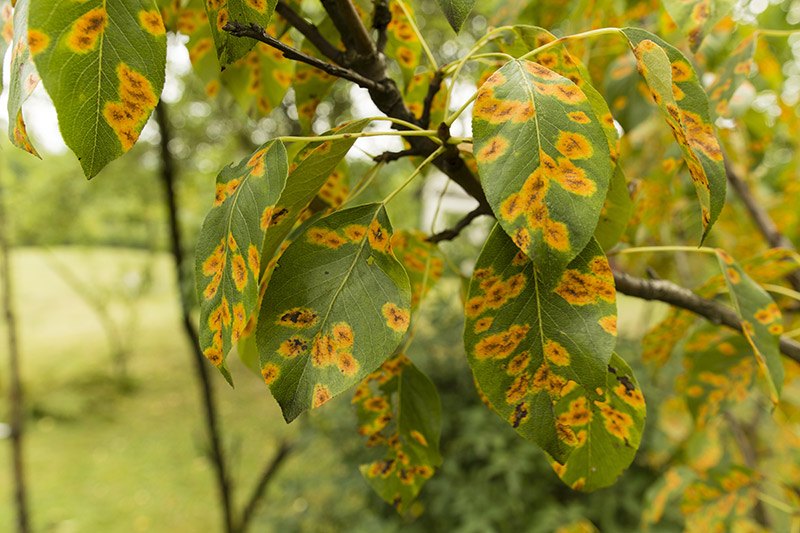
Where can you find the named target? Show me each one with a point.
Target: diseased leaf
(337, 305)
(696, 18)
(720, 370)
(532, 340)
(416, 92)
(103, 64)
(616, 212)
(229, 249)
(311, 169)
(665, 491)
(24, 79)
(761, 320)
(544, 159)
(734, 71)
(422, 262)
(399, 411)
(402, 43)
(606, 432)
(674, 87)
(220, 12)
(456, 11)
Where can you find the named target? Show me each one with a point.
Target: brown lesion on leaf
(38, 41)
(298, 317)
(137, 100)
(320, 395)
(501, 345)
(292, 347)
(270, 373)
(151, 22)
(397, 318)
(86, 30)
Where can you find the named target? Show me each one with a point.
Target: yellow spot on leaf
(579, 116)
(321, 395)
(574, 145)
(292, 347)
(86, 30)
(347, 364)
(396, 318)
(151, 22)
(609, 324)
(483, 324)
(37, 41)
(239, 272)
(270, 373)
(501, 345)
(298, 317)
(556, 353)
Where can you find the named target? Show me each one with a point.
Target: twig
(261, 486)
(716, 313)
(381, 18)
(310, 32)
(254, 31)
(427, 104)
(455, 231)
(218, 459)
(388, 157)
(15, 389)
(761, 218)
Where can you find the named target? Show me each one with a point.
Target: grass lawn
(102, 459)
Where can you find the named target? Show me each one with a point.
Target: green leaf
(230, 246)
(400, 412)
(676, 90)
(103, 64)
(544, 159)
(734, 71)
(456, 11)
(24, 79)
(220, 12)
(616, 211)
(607, 430)
(337, 305)
(313, 166)
(761, 320)
(532, 339)
(697, 18)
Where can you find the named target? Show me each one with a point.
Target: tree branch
(714, 312)
(388, 157)
(254, 31)
(261, 486)
(381, 18)
(310, 32)
(761, 218)
(354, 34)
(455, 231)
(218, 459)
(427, 104)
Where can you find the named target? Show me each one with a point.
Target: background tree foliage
(598, 151)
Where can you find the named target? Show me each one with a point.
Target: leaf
(313, 166)
(229, 249)
(674, 87)
(734, 71)
(422, 261)
(719, 371)
(336, 307)
(402, 43)
(627, 94)
(664, 491)
(24, 79)
(607, 431)
(456, 11)
(616, 212)
(696, 18)
(761, 320)
(531, 340)
(220, 12)
(544, 159)
(399, 411)
(103, 64)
